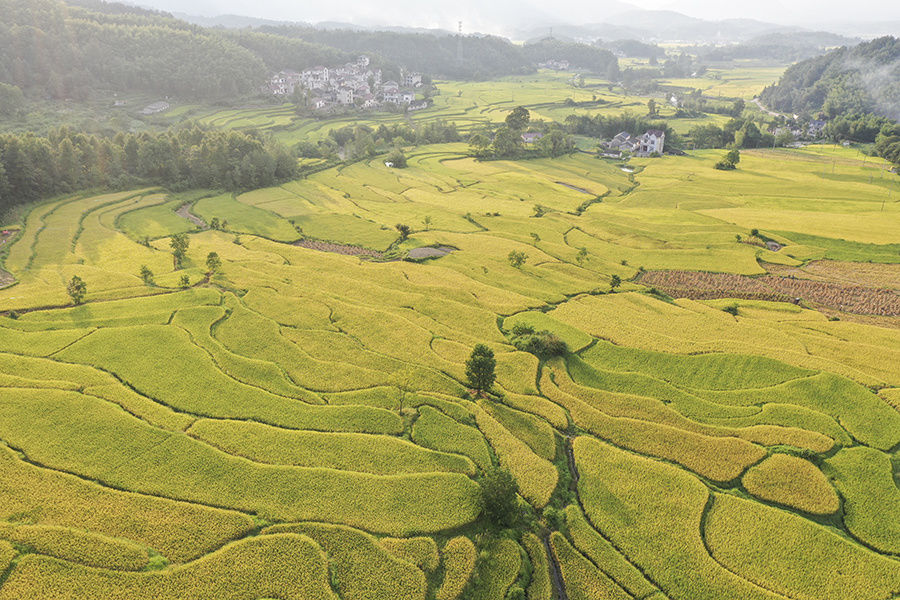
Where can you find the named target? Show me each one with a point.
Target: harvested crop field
(855, 299)
(864, 274)
(344, 249)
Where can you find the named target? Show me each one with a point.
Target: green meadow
(298, 423)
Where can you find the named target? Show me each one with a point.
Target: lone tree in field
(517, 258)
(651, 108)
(146, 275)
(185, 281)
(498, 488)
(427, 222)
(77, 290)
(213, 263)
(518, 119)
(582, 255)
(480, 368)
(404, 231)
(179, 244)
(614, 282)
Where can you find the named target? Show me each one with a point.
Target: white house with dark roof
(651, 142)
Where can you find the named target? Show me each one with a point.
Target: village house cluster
(811, 131)
(652, 142)
(555, 65)
(353, 84)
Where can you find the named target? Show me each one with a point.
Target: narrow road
(771, 113)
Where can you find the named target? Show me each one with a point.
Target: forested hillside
(788, 46)
(846, 81)
(482, 56)
(50, 49)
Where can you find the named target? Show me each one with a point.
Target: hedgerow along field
(297, 422)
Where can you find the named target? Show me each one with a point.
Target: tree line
(33, 167)
(361, 141)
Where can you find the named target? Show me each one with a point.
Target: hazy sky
(500, 16)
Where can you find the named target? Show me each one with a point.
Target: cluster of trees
(507, 140)
(360, 141)
(34, 167)
(858, 80)
(483, 57)
(607, 126)
(543, 344)
(868, 129)
(738, 133)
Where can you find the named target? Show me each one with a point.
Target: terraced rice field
(298, 425)
(470, 105)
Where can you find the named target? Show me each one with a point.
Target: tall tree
(518, 119)
(480, 368)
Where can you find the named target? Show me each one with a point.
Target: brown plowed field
(843, 297)
(338, 248)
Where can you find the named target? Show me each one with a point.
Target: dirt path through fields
(576, 188)
(6, 278)
(184, 211)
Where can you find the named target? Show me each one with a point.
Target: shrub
(517, 258)
(731, 309)
(522, 329)
(146, 275)
(397, 159)
(542, 344)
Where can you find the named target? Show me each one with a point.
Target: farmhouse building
(532, 137)
(651, 142)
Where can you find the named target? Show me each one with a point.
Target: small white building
(651, 142)
(345, 96)
(412, 80)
